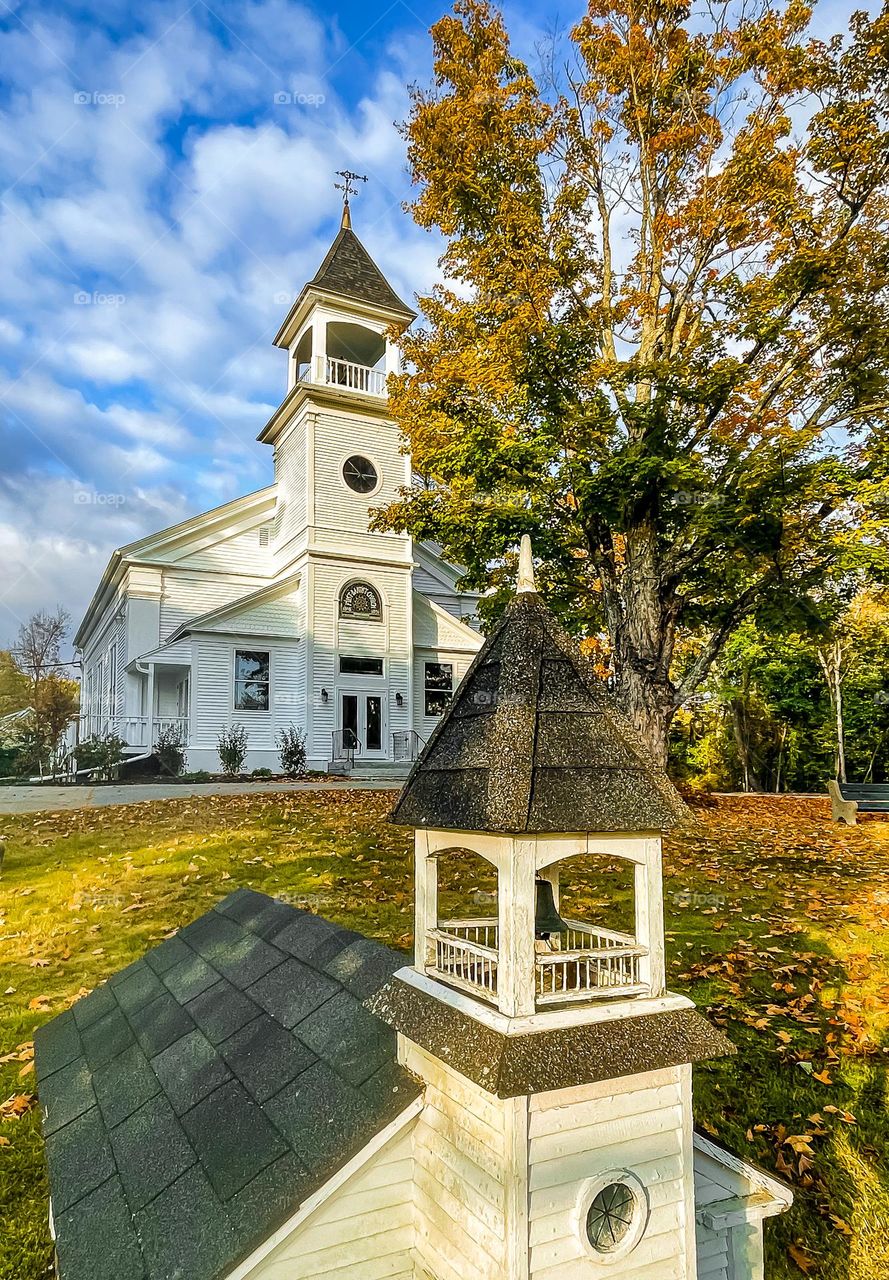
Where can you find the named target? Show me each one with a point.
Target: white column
(393, 357)
(150, 716)
(516, 974)
(517, 1190)
(426, 899)
(319, 347)
(650, 916)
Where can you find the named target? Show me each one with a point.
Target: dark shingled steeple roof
(350, 271)
(533, 743)
(197, 1099)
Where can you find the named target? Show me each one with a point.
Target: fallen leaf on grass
(16, 1106)
(801, 1258)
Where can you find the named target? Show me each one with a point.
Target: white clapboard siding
(242, 553)
(277, 617)
(364, 1231)
(338, 509)
(188, 595)
(713, 1256)
(290, 475)
(460, 1153)
(639, 1124)
(214, 690)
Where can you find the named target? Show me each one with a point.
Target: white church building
(282, 607)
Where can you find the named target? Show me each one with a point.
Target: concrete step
(381, 770)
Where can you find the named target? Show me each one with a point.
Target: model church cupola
(535, 769)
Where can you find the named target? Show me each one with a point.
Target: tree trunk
(642, 624)
(649, 709)
(751, 781)
(832, 665)
(781, 742)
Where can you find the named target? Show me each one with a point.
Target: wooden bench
(848, 799)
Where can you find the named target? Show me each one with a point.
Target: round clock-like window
(360, 474)
(611, 1217)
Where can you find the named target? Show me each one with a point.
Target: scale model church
(267, 1095)
(283, 608)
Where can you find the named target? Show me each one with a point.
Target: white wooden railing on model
(584, 963)
(357, 377)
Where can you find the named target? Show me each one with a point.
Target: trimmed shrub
(232, 747)
(170, 750)
(101, 754)
(292, 751)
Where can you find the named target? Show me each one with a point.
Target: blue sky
(167, 174)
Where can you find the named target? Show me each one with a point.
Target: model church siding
(460, 1149)
(636, 1124)
(364, 1231)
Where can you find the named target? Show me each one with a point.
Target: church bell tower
(338, 457)
(556, 1143)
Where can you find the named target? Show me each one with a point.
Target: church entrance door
(361, 720)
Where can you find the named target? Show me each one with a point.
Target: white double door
(361, 716)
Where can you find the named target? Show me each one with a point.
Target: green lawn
(777, 925)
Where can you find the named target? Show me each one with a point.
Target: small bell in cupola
(547, 920)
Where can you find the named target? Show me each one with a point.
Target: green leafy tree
(663, 350)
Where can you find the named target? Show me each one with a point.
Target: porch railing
(344, 747)
(584, 963)
(357, 377)
(134, 730)
(406, 744)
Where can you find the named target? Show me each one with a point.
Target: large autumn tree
(663, 344)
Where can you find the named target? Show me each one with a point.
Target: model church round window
(611, 1217)
(360, 474)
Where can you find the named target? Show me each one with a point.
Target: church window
(360, 474)
(252, 680)
(361, 600)
(361, 666)
(438, 684)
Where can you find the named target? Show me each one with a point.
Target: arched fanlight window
(361, 600)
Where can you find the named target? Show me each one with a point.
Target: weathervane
(348, 190)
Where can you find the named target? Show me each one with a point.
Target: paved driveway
(37, 799)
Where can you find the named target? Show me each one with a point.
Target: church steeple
(339, 330)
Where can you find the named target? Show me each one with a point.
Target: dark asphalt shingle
(188, 1070)
(533, 742)
(292, 991)
(233, 1138)
(194, 1101)
(150, 1150)
(349, 270)
(221, 1011)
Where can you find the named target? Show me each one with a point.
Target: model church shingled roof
(533, 742)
